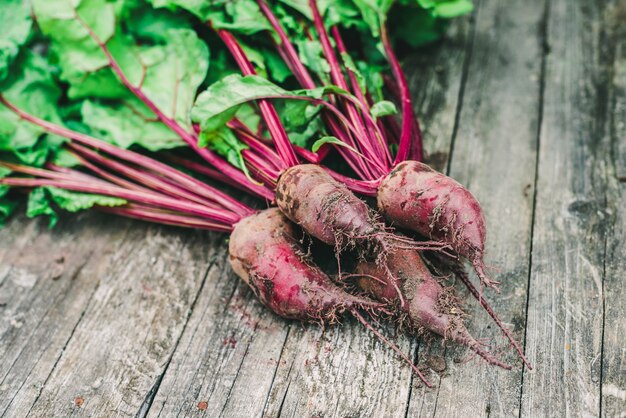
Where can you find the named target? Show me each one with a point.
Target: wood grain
(613, 390)
(565, 310)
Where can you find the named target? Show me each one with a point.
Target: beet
(265, 253)
(416, 197)
(416, 296)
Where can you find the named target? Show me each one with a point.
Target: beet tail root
(429, 306)
(394, 347)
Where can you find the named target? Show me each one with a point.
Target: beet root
(265, 253)
(323, 207)
(329, 211)
(426, 304)
(416, 197)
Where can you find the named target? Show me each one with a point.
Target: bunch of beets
(143, 108)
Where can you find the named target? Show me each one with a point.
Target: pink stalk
(309, 156)
(205, 170)
(365, 142)
(364, 187)
(146, 178)
(110, 177)
(147, 213)
(274, 126)
(410, 145)
(268, 172)
(155, 199)
(262, 191)
(375, 128)
(72, 172)
(302, 74)
(291, 57)
(33, 171)
(250, 139)
(133, 157)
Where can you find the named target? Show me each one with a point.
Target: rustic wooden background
(525, 103)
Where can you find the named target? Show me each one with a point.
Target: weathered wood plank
(614, 342)
(495, 155)
(565, 310)
(343, 371)
(118, 318)
(227, 357)
(435, 76)
(46, 283)
(615, 17)
(613, 345)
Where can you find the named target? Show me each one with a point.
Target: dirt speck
(230, 341)
(436, 363)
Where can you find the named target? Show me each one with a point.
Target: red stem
(375, 128)
(147, 213)
(363, 140)
(155, 199)
(301, 73)
(410, 139)
(148, 179)
(281, 140)
(133, 157)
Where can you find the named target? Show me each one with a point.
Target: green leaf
(16, 27)
(312, 55)
(217, 104)
(383, 108)
(447, 9)
(330, 140)
(74, 201)
(241, 16)
(42, 201)
(153, 25)
(199, 8)
(39, 203)
(4, 171)
(452, 9)
(64, 158)
(224, 142)
(168, 73)
(124, 126)
(31, 88)
(7, 207)
(276, 66)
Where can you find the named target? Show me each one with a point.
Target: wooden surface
(525, 103)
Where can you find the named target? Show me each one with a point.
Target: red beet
(421, 298)
(329, 211)
(323, 207)
(416, 197)
(264, 251)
